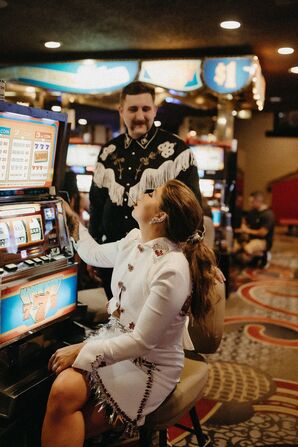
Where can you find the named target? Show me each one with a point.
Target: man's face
(255, 202)
(138, 113)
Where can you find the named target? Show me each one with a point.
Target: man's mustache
(139, 123)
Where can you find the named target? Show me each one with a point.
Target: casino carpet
(251, 398)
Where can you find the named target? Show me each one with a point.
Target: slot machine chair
(194, 377)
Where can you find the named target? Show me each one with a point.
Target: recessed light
(230, 24)
(82, 121)
(244, 114)
(285, 50)
(294, 69)
(52, 44)
(56, 108)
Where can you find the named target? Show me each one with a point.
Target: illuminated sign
(180, 75)
(228, 74)
(75, 77)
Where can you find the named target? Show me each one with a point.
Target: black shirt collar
(142, 141)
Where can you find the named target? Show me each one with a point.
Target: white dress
(136, 360)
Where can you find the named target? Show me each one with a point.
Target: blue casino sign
(87, 76)
(225, 75)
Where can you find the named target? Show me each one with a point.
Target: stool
(183, 399)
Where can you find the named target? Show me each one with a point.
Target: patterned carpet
(251, 398)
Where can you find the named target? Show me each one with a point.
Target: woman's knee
(69, 392)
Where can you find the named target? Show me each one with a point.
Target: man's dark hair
(137, 88)
(257, 195)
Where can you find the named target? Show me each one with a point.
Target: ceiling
(117, 29)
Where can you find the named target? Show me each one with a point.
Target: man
(257, 230)
(142, 158)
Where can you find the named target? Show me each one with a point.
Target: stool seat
(186, 394)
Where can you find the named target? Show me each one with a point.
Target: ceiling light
(82, 121)
(294, 69)
(157, 123)
(230, 24)
(52, 44)
(244, 114)
(285, 50)
(234, 112)
(56, 108)
(89, 62)
(192, 133)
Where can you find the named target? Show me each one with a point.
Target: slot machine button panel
(11, 267)
(58, 257)
(37, 260)
(1, 271)
(29, 262)
(45, 258)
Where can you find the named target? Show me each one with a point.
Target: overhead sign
(180, 75)
(87, 76)
(228, 74)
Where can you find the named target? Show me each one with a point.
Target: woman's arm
(169, 289)
(98, 255)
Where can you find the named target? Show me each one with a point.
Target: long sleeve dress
(135, 361)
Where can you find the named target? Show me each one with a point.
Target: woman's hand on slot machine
(64, 357)
(73, 220)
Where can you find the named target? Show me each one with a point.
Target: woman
(134, 363)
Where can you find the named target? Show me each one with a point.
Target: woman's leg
(95, 421)
(64, 423)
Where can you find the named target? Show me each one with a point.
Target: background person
(257, 230)
(142, 158)
(132, 364)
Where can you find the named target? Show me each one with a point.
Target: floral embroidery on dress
(131, 325)
(107, 151)
(166, 149)
(130, 267)
(140, 248)
(160, 249)
(185, 308)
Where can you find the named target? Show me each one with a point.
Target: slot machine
(217, 168)
(38, 277)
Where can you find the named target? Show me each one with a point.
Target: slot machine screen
(208, 157)
(82, 154)
(40, 301)
(28, 143)
(207, 187)
(216, 216)
(84, 182)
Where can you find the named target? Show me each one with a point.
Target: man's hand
(64, 357)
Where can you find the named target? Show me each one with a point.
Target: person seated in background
(255, 236)
(162, 272)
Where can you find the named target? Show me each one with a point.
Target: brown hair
(137, 88)
(185, 218)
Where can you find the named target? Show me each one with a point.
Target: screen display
(27, 150)
(34, 304)
(84, 182)
(82, 155)
(207, 187)
(208, 157)
(216, 216)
